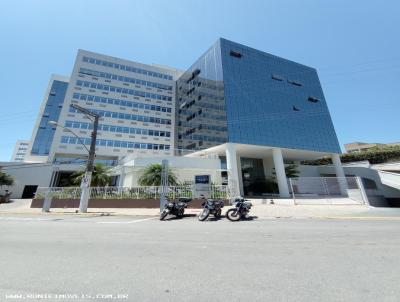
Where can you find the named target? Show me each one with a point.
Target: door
(29, 192)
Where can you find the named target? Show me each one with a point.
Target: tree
(374, 156)
(100, 176)
(290, 171)
(6, 179)
(151, 176)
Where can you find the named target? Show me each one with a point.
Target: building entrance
(254, 180)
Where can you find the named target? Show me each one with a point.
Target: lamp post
(86, 180)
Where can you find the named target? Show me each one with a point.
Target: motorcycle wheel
(163, 215)
(233, 215)
(204, 214)
(181, 212)
(218, 214)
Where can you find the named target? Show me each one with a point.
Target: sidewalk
(261, 211)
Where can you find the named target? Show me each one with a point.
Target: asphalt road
(96, 258)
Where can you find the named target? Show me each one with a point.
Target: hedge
(373, 156)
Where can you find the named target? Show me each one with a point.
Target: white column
(280, 173)
(337, 164)
(239, 173)
(121, 177)
(231, 165)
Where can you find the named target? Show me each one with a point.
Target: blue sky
(354, 45)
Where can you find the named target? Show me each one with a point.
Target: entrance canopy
(254, 151)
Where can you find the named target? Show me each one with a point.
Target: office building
(256, 111)
(136, 103)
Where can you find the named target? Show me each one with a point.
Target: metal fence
(327, 190)
(140, 192)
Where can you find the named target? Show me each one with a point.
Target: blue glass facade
(45, 133)
(267, 100)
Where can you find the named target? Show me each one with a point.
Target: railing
(140, 192)
(59, 192)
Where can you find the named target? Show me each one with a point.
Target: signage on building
(202, 186)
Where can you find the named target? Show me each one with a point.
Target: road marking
(29, 219)
(394, 218)
(127, 222)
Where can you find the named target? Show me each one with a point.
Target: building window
(313, 99)
(295, 83)
(235, 54)
(276, 77)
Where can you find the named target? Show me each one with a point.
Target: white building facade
(136, 103)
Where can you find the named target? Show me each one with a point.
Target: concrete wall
(185, 168)
(23, 175)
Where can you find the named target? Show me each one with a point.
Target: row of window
(191, 92)
(187, 104)
(204, 138)
(127, 68)
(123, 90)
(74, 160)
(117, 129)
(113, 143)
(130, 104)
(204, 126)
(192, 115)
(107, 75)
(127, 116)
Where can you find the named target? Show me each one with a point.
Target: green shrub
(375, 156)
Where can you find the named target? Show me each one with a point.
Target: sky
(354, 45)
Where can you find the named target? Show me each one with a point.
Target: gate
(328, 190)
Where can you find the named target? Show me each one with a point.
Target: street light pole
(86, 180)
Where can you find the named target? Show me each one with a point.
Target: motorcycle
(211, 206)
(176, 208)
(241, 209)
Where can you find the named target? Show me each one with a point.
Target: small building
(184, 167)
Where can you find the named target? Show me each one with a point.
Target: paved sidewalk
(262, 211)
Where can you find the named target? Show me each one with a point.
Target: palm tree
(100, 176)
(151, 176)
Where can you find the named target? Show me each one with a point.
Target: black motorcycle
(211, 206)
(241, 209)
(176, 208)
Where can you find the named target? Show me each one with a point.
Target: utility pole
(86, 180)
(164, 184)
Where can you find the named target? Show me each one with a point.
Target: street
(144, 259)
